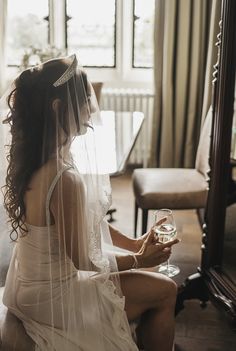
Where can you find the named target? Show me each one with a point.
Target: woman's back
(40, 252)
(37, 191)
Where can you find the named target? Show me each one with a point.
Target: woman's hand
(153, 253)
(138, 243)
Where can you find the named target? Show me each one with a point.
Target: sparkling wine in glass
(166, 231)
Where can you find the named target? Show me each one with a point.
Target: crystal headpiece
(68, 73)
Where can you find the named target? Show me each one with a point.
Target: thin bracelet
(135, 264)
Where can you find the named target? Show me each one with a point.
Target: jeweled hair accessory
(68, 73)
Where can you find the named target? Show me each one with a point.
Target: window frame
(123, 74)
(67, 18)
(133, 39)
(47, 19)
(133, 76)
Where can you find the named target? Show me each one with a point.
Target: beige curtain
(3, 12)
(3, 22)
(184, 37)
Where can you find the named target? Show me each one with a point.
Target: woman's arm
(125, 242)
(121, 240)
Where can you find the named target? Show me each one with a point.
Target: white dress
(31, 295)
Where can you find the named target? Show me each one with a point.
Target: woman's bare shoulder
(70, 189)
(72, 177)
(70, 183)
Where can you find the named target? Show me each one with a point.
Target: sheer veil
(62, 281)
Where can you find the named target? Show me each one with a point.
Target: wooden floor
(197, 329)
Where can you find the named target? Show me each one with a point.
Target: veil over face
(62, 281)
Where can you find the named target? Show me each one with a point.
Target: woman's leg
(152, 297)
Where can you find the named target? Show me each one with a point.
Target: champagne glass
(166, 232)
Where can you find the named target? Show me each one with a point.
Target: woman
(63, 281)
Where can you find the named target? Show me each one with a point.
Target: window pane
(143, 33)
(91, 31)
(26, 28)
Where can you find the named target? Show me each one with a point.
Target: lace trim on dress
(96, 215)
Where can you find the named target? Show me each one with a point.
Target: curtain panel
(184, 54)
(3, 22)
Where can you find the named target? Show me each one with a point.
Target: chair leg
(144, 220)
(135, 219)
(200, 216)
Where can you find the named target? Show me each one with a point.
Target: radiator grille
(133, 100)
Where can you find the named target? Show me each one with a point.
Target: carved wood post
(223, 98)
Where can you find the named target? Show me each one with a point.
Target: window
(91, 31)
(113, 38)
(28, 26)
(143, 23)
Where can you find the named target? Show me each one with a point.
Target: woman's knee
(169, 289)
(170, 300)
(148, 289)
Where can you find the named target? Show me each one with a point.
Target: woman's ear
(56, 104)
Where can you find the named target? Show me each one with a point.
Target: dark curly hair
(33, 130)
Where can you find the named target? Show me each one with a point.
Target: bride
(65, 281)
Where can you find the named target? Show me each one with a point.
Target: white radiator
(133, 100)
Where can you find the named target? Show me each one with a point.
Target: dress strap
(50, 191)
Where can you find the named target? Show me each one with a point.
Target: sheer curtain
(184, 36)
(3, 23)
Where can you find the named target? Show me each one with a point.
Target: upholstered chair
(174, 188)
